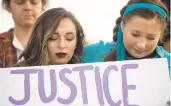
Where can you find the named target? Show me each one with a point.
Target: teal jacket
(98, 51)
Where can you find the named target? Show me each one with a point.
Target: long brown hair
(36, 50)
(144, 13)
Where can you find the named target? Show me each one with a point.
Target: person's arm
(96, 52)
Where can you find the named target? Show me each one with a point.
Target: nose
(141, 45)
(61, 44)
(27, 5)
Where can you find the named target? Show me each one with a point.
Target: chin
(138, 56)
(60, 63)
(28, 23)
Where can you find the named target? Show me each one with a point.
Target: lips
(138, 51)
(61, 55)
(27, 16)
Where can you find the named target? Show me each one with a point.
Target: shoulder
(100, 45)
(7, 34)
(162, 53)
(97, 51)
(6, 37)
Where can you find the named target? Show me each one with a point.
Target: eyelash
(69, 39)
(135, 35)
(51, 38)
(19, 2)
(34, 2)
(150, 38)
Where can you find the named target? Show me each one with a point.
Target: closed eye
(70, 39)
(151, 38)
(19, 1)
(135, 35)
(53, 37)
(35, 1)
(70, 36)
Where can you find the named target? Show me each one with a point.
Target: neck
(23, 34)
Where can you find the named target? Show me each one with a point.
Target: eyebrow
(66, 33)
(135, 31)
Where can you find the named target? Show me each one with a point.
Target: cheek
(72, 46)
(152, 44)
(16, 13)
(37, 9)
(129, 41)
(50, 46)
(37, 13)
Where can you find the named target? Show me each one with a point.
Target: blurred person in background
(13, 42)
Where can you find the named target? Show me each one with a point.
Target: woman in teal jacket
(137, 34)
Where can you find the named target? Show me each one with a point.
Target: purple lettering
(105, 86)
(83, 80)
(125, 87)
(41, 86)
(26, 73)
(73, 88)
(99, 86)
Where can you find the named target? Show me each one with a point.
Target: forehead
(138, 19)
(66, 24)
(142, 23)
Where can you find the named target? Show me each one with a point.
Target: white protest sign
(127, 83)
